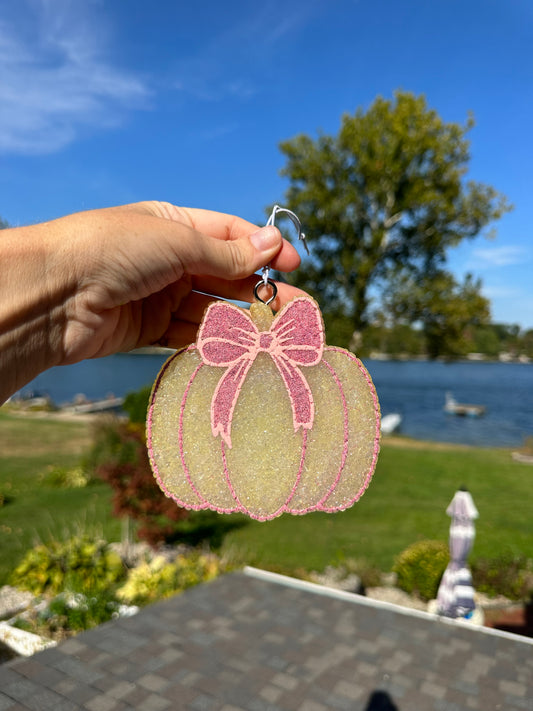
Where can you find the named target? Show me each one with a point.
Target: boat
(452, 407)
(390, 423)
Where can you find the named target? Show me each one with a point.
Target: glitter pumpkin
(259, 416)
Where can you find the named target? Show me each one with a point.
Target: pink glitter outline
(241, 507)
(207, 503)
(318, 506)
(155, 468)
(377, 435)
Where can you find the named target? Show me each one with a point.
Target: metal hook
(293, 218)
(265, 281)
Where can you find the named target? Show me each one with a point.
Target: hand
(110, 280)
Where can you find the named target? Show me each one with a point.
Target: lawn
(406, 502)
(34, 511)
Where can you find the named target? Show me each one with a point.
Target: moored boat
(452, 407)
(391, 422)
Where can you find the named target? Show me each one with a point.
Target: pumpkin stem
(261, 315)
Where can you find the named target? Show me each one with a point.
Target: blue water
(417, 391)
(96, 379)
(414, 389)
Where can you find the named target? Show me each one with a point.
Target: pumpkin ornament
(260, 416)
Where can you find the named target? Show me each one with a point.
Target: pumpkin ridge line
(241, 507)
(180, 435)
(332, 488)
(206, 503)
(153, 464)
(377, 435)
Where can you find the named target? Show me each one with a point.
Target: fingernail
(265, 238)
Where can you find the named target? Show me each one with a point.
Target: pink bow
(228, 338)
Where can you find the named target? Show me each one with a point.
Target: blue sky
(107, 102)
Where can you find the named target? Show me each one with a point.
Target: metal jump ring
(272, 285)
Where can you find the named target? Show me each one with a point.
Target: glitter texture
(272, 466)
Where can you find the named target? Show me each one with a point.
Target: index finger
(216, 224)
(221, 226)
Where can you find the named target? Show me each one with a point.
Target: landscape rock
(13, 601)
(21, 642)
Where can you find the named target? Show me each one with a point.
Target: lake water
(417, 390)
(414, 389)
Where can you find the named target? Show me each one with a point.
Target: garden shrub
(121, 459)
(160, 578)
(64, 478)
(74, 612)
(420, 567)
(508, 574)
(81, 564)
(109, 444)
(71, 612)
(136, 404)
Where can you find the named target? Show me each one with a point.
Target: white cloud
(56, 77)
(500, 256)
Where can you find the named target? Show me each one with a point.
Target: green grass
(406, 502)
(34, 512)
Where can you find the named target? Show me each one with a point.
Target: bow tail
(225, 398)
(300, 395)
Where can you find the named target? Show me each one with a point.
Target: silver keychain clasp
(265, 281)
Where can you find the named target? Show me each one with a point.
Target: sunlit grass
(34, 511)
(405, 502)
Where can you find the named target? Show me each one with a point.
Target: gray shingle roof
(257, 642)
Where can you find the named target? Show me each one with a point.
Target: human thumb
(267, 240)
(243, 256)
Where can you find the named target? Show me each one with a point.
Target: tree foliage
(386, 194)
(445, 309)
(494, 340)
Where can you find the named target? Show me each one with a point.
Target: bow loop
(300, 331)
(225, 335)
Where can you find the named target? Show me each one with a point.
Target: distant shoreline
(150, 350)
(474, 358)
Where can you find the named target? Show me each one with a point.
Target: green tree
(486, 341)
(4, 224)
(445, 308)
(387, 191)
(527, 343)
